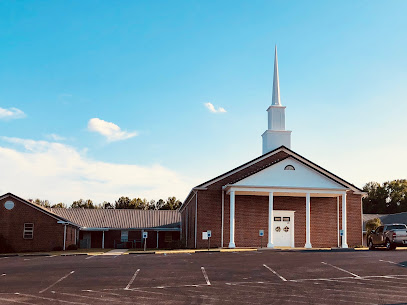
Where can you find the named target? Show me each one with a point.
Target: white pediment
(302, 177)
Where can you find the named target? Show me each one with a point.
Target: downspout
(223, 216)
(196, 217)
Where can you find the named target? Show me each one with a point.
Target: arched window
(289, 168)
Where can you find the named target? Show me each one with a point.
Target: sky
(102, 99)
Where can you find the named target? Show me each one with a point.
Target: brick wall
(251, 215)
(47, 233)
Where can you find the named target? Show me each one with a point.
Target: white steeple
(276, 82)
(276, 135)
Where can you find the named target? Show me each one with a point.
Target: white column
(103, 239)
(271, 218)
(308, 221)
(232, 220)
(344, 240)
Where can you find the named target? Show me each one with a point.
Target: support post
(270, 223)
(344, 229)
(232, 220)
(308, 221)
(64, 237)
(103, 239)
(157, 239)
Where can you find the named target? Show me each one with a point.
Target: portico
(271, 192)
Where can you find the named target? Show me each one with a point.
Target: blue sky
(150, 67)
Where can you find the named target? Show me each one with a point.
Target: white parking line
(56, 301)
(281, 277)
(132, 279)
(91, 257)
(390, 262)
(14, 301)
(355, 275)
(3, 274)
(61, 279)
(205, 276)
(4, 257)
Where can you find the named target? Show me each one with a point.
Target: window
(277, 218)
(396, 227)
(286, 218)
(289, 168)
(28, 231)
(124, 236)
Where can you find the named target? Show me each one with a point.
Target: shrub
(372, 224)
(72, 247)
(58, 248)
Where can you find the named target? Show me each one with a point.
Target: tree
(107, 205)
(375, 202)
(44, 203)
(388, 198)
(159, 204)
(59, 205)
(123, 203)
(172, 203)
(84, 204)
(372, 224)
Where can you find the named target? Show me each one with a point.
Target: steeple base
(273, 139)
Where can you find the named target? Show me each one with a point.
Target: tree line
(386, 198)
(172, 203)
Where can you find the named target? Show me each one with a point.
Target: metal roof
(400, 218)
(120, 218)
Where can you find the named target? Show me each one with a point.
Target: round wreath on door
(286, 229)
(278, 229)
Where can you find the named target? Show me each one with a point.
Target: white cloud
(11, 113)
(212, 108)
(58, 172)
(111, 131)
(55, 137)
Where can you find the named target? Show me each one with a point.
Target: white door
(283, 226)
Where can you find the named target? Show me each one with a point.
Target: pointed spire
(276, 83)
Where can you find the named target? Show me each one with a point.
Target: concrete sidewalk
(115, 252)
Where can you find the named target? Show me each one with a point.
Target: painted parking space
(219, 278)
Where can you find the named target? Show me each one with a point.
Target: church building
(280, 199)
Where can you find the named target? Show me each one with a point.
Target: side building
(28, 227)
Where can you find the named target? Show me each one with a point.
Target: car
(389, 236)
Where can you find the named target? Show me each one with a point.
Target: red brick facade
(251, 213)
(47, 235)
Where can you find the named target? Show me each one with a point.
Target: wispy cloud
(212, 108)
(60, 172)
(11, 113)
(55, 137)
(111, 131)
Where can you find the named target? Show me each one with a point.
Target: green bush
(372, 224)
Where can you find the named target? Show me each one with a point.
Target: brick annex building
(293, 201)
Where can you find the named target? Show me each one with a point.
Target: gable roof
(38, 207)
(121, 218)
(279, 154)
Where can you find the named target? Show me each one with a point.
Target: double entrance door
(283, 228)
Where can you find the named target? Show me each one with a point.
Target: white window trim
(30, 230)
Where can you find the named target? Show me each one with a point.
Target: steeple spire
(276, 83)
(276, 136)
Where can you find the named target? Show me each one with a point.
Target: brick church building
(281, 195)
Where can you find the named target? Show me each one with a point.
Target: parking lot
(259, 277)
